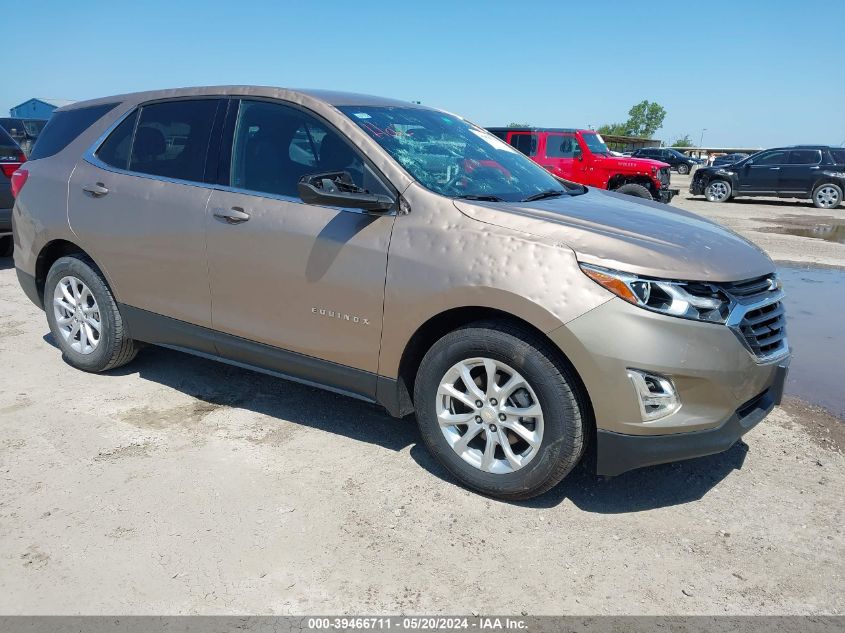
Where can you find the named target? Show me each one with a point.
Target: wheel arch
(617, 180)
(49, 254)
(449, 320)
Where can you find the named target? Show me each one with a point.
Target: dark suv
(24, 131)
(682, 163)
(816, 172)
(11, 158)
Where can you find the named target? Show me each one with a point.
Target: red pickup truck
(581, 156)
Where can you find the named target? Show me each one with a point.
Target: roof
(533, 129)
(58, 103)
(330, 97)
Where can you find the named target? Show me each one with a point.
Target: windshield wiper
(470, 196)
(550, 193)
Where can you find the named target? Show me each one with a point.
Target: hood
(630, 234)
(631, 162)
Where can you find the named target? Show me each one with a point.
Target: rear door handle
(235, 215)
(774, 168)
(97, 190)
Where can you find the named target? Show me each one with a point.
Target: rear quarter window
(838, 156)
(64, 127)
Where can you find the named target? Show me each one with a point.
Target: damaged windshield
(454, 158)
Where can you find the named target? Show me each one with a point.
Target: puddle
(815, 227)
(815, 305)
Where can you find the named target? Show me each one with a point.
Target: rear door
(293, 277)
(800, 172)
(138, 205)
(762, 174)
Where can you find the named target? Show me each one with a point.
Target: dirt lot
(177, 485)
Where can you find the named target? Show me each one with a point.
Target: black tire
(7, 246)
(718, 191)
(558, 393)
(638, 191)
(114, 347)
(827, 196)
(683, 169)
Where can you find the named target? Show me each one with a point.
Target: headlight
(685, 299)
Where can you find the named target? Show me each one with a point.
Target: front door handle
(774, 168)
(97, 190)
(235, 215)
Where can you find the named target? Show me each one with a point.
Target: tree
(684, 141)
(644, 119)
(519, 124)
(614, 129)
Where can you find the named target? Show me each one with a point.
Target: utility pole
(701, 140)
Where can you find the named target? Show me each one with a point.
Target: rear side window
(805, 157)
(115, 151)
(64, 127)
(525, 143)
(172, 138)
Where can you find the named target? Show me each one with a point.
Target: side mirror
(336, 189)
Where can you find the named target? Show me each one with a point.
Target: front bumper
(713, 373)
(696, 187)
(618, 453)
(666, 195)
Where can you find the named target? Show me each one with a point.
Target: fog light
(655, 393)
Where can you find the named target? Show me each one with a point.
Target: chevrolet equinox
(405, 256)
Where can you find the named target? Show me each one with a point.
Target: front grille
(762, 326)
(663, 175)
(764, 330)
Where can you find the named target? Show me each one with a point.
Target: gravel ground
(180, 486)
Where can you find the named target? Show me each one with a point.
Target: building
(628, 143)
(36, 108)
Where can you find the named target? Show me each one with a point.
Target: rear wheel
(827, 196)
(7, 246)
(718, 191)
(84, 318)
(638, 191)
(499, 411)
(683, 169)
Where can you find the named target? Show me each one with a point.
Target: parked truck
(581, 156)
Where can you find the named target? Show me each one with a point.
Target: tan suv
(401, 255)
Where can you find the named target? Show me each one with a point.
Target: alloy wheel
(489, 415)
(717, 191)
(827, 197)
(77, 315)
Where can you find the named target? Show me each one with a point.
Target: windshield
(453, 157)
(596, 143)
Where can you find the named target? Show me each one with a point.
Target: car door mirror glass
(337, 189)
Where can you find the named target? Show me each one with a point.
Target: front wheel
(718, 191)
(84, 318)
(500, 411)
(827, 196)
(638, 191)
(683, 169)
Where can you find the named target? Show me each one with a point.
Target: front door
(762, 173)
(138, 206)
(563, 156)
(296, 283)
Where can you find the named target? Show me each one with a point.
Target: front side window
(771, 158)
(561, 146)
(805, 157)
(172, 138)
(276, 145)
(452, 157)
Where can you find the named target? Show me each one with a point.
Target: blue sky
(753, 73)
